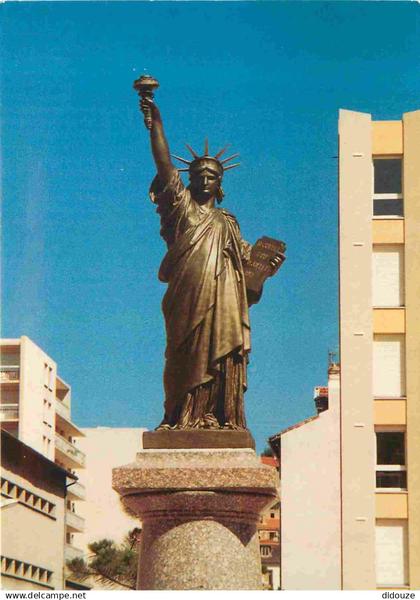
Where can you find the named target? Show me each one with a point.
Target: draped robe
(205, 309)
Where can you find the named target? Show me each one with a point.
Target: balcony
(74, 522)
(62, 410)
(69, 454)
(9, 374)
(71, 552)
(65, 423)
(76, 491)
(9, 412)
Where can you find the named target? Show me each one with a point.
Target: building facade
(33, 491)
(351, 475)
(379, 206)
(269, 538)
(309, 454)
(36, 410)
(105, 449)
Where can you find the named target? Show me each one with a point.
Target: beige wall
(11, 583)
(106, 448)
(388, 231)
(411, 192)
(387, 137)
(32, 537)
(32, 393)
(390, 412)
(391, 505)
(388, 320)
(358, 460)
(310, 501)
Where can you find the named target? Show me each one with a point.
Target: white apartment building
(36, 409)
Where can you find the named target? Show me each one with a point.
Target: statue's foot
(164, 427)
(210, 421)
(197, 424)
(233, 426)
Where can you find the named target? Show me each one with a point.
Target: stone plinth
(197, 438)
(200, 510)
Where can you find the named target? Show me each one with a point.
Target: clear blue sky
(81, 245)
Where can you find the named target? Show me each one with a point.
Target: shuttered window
(389, 366)
(388, 275)
(391, 552)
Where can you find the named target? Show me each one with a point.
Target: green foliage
(267, 452)
(109, 562)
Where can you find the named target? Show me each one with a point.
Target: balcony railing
(67, 427)
(71, 552)
(76, 456)
(9, 373)
(9, 412)
(74, 521)
(62, 410)
(76, 491)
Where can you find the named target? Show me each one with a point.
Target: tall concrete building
(362, 476)
(36, 409)
(379, 205)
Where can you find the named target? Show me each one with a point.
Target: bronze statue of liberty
(206, 304)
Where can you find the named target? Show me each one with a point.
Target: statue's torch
(145, 87)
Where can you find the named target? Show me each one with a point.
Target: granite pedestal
(199, 509)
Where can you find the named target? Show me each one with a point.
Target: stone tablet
(258, 268)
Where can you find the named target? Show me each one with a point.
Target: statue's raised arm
(160, 148)
(153, 121)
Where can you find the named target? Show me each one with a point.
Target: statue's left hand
(276, 262)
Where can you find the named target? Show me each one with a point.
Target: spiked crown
(197, 159)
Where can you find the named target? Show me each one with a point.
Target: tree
(267, 452)
(109, 562)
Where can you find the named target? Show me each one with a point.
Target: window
(388, 275)
(391, 553)
(48, 377)
(390, 460)
(265, 551)
(69, 538)
(51, 379)
(387, 193)
(389, 366)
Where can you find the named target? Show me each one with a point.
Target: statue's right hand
(149, 109)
